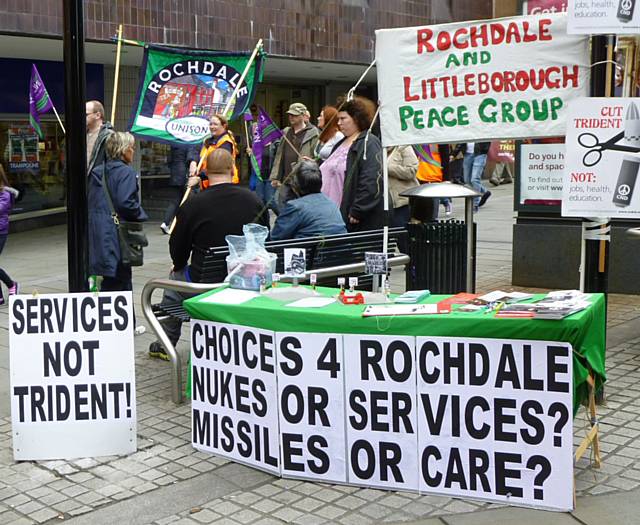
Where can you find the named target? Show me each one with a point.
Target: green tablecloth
(585, 330)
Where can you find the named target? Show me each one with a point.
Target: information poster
(543, 7)
(602, 159)
(507, 78)
(603, 17)
(72, 370)
(541, 174)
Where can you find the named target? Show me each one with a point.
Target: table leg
(592, 438)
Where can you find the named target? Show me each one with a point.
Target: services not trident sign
(495, 79)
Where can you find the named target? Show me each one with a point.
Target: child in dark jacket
(7, 198)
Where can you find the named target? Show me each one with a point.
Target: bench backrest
(208, 265)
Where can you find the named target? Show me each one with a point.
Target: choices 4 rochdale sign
(496, 79)
(480, 418)
(180, 90)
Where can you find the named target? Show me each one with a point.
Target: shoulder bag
(131, 236)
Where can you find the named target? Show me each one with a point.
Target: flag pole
(58, 117)
(224, 112)
(116, 76)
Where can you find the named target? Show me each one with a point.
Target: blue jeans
(267, 193)
(472, 169)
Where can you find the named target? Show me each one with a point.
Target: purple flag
(39, 101)
(264, 134)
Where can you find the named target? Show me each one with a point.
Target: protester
(330, 134)
(122, 184)
(221, 138)
(475, 160)
(430, 170)
(8, 196)
(402, 169)
(204, 221)
(263, 188)
(300, 140)
(98, 130)
(361, 204)
(182, 163)
(311, 212)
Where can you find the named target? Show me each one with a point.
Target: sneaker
(139, 330)
(506, 181)
(448, 209)
(484, 198)
(495, 182)
(157, 351)
(14, 289)
(165, 229)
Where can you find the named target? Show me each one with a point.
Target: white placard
(482, 80)
(601, 170)
(234, 394)
(380, 394)
(541, 174)
(72, 375)
(495, 420)
(603, 17)
(295, 263)
(311, 403)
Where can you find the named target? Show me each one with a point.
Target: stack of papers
(556, 305)
(503, 297)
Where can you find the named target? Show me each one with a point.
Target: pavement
(167, 481)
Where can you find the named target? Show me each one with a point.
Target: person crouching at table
(310, 212)
(204, 221)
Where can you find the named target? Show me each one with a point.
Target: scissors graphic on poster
(592, 142)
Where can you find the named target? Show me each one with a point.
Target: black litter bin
(438, 252)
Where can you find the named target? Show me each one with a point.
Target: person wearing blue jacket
(310, 212)
(122, 181)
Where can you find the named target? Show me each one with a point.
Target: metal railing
(194, 288)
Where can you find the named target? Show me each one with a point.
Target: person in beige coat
(403, 166)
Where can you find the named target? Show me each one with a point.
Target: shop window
(34, 167)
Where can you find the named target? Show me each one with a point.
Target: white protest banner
(603, 17)
(541, 174)
(72, 375)
(602, 161)
(311, 403)
(468, 81)
(234, 395)
(495, 420)
(380, 392)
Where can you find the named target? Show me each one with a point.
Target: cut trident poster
(497, 79)
(180, 90)
(602, 160)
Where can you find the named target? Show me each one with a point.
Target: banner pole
(242, 77)
(116, 76)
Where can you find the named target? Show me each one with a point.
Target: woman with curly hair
(359, 161)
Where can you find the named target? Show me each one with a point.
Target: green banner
(180, 90)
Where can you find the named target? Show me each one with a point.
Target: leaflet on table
(498, 296)
(401, 309)
(231, 296)
(556, 305)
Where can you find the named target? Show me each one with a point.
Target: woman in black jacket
(122, 183)
(362, 203)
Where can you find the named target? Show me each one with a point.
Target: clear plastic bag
(249, 264)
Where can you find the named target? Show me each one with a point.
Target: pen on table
(500, 305)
